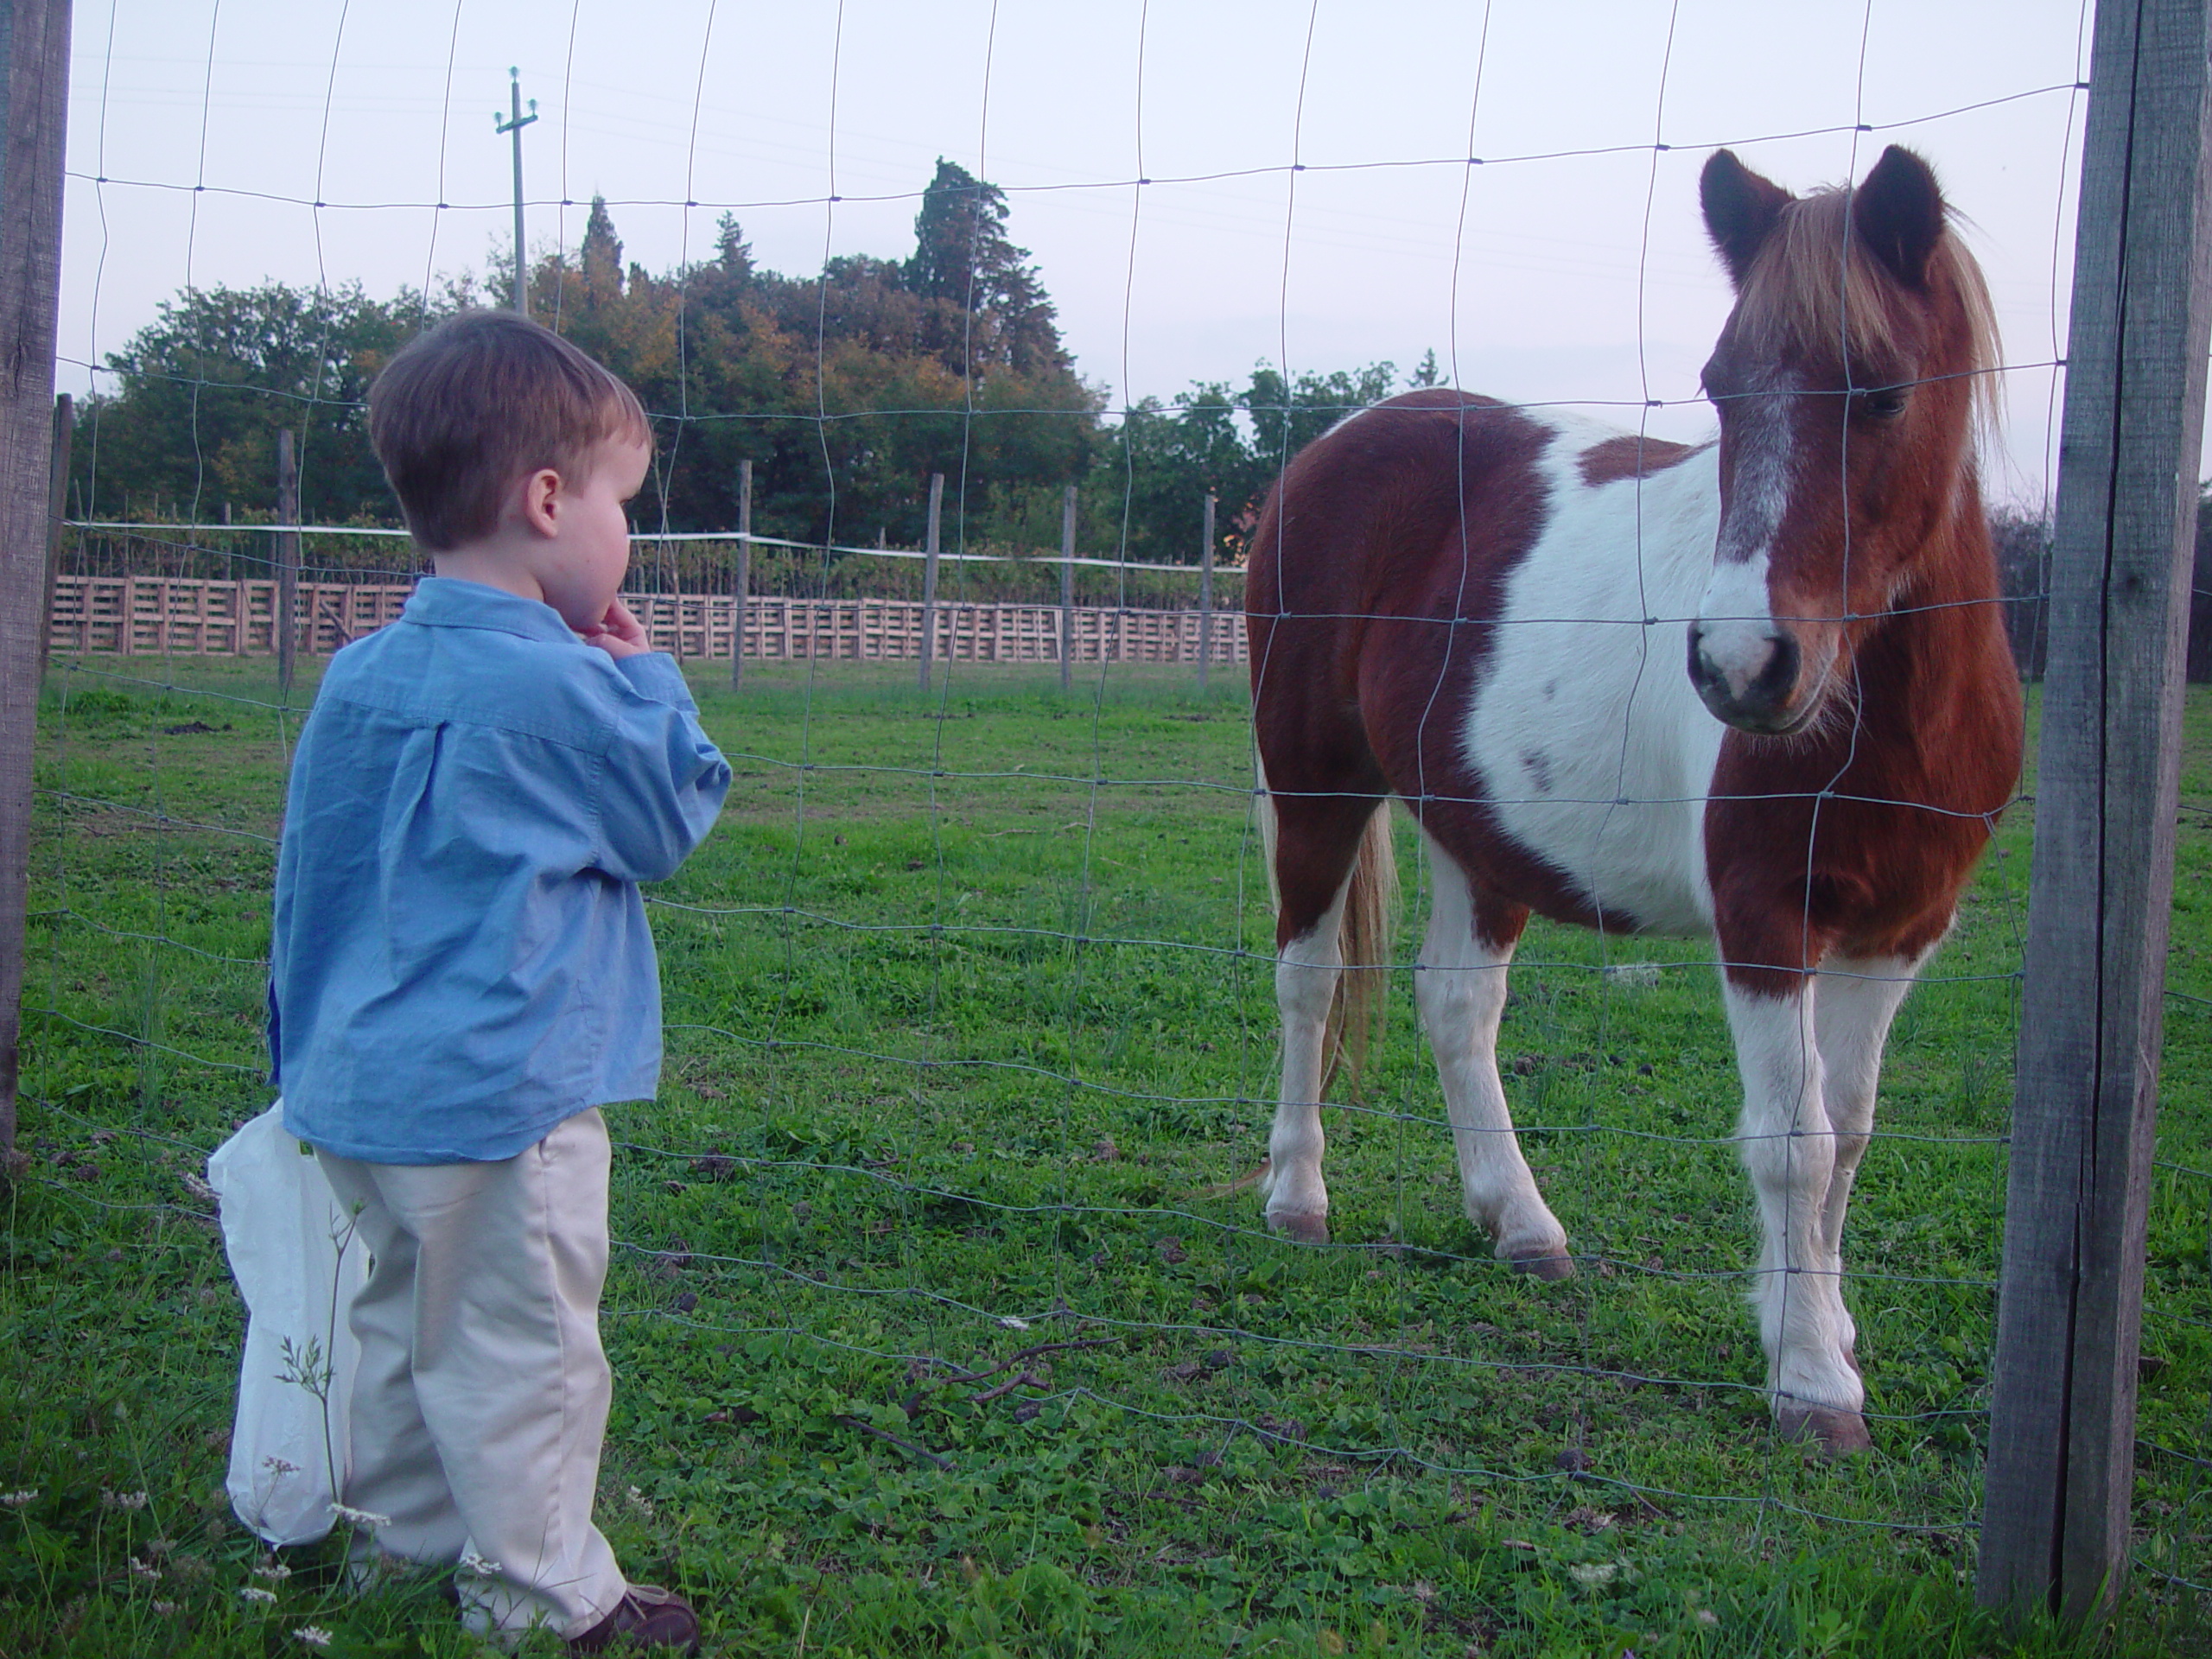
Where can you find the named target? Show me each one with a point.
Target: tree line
(846, 390)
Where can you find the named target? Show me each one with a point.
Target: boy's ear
(541, 501)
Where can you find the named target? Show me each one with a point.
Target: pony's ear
(1899, 213)
(1740, 209)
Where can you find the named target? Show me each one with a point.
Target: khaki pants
(480, 1403)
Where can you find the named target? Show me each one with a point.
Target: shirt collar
(449, 602)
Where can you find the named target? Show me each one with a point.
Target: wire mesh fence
(941, 1256)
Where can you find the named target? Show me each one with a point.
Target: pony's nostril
(1773, 685)
(1703, 673)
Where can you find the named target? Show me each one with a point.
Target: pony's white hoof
(1301, 1226)
(1546, 1262)
(1831, 1431)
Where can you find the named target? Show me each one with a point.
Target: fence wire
(971, 1049)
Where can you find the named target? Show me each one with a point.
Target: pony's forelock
(1813, 280)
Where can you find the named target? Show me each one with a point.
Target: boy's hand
(618, 633)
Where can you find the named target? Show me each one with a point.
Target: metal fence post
(57, 513)
(929, 578)
(741, 582)
(1067, 585)
(1205, 595)
(34, 111)
(2062, 1444)
(283, 622)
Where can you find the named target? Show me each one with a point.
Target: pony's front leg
(1855, 1000)
(1460, 988)
(1788, 1145)
(1306, 986)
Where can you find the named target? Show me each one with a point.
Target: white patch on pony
(1789, 1146)
(1591, 743)
(1306, 986)
(1460, 988)
(1736, 627)
(1736, 614)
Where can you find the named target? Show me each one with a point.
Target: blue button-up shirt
(460, 958)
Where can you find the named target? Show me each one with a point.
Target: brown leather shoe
(644, 1618)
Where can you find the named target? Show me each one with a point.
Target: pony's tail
(1363, 942)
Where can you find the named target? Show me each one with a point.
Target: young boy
(461, 971)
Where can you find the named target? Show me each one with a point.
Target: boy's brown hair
(484, 399)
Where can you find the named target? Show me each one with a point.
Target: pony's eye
(1884, 403)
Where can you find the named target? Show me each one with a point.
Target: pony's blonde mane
(1814, 281)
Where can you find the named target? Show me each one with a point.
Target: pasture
(942, 1320)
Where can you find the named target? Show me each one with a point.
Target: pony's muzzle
(1747, 674)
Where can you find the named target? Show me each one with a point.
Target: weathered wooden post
(283, 622)
(1205, 595)
(741, 582)
(2062, 1441)
(929, 578)
(34, 120)
(57, 515)
(1067, 585)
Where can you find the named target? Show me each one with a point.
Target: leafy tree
(963, 256)
(201, 391)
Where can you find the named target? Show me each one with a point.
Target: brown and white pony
(1486, 611)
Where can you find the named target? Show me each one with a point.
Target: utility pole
(514, 124)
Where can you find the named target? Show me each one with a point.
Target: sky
(1203, 184)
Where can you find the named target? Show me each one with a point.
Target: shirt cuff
(654, 674)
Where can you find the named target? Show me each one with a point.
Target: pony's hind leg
(1789, 1146)
(1460, 987)
(1314, 845)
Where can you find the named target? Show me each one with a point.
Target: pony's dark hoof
(1307, 1228)
(1547, 1265)
(1831, 1432)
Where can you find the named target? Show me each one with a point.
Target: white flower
(1012, 1323)
(361, 1517)
(131, 1500)
(275, 1572)
(254, 1592)
(140, 1570)
(472, 1562)
(19, 1500)
(314, 1635)
(163, 1607)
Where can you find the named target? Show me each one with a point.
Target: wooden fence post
(57, 513)
(34, 111)
(2062, 1443)
(1205, 596)
(1067, 584)
(929, 578)
(282, 622)
(741, 583)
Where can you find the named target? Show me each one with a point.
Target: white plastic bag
(298, 1264)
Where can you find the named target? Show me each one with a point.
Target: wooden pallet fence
(178, 616)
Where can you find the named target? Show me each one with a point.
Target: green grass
(970, 1026)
